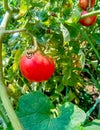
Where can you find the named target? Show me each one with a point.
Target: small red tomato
(88, 21)
(37, 67)
(84, 4)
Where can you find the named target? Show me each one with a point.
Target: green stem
(6, 7)
(91, 110)
(84, 34)
(5, 20)
(93, 79)
(3, 93)
(93, 47)
(90, 14)
(34, 41)
(8, 107)
(5, 99)
(14, 31)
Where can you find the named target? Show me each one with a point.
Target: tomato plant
(36, 67)
(85, 4)
(49, 64)
(88, 21)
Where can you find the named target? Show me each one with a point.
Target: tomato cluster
(36, 67)
(85, 5)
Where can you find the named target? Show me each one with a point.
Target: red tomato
(88, 21)
(84, 4)
(37, 68)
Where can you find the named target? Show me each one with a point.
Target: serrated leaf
(65, 32)
(35, 112)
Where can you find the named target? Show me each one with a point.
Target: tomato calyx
(89, 4)
(29, 53)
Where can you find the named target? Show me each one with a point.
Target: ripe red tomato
(88, 21)
(84, 4)
(37, 67)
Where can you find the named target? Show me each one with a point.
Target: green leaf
(42, 15)
(3, 51)
(96, 37)
(36, 112)
(67, 76)
(82, 58)
(74, 17)
(24, 5)
(94, 125)
(16, 60)
(65, 32)
(85, 36)
(73, 79)
(70, 95)
(43, 38)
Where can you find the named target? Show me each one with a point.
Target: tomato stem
(85, 35)
(89, 2)
(34, 42)
(5, 99)
(14, 31)
(91, 110)
(90, 14)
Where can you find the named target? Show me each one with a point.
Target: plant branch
(14, 31)
(6, 7)
(93, 47)
(5, 20)
(4, 97)
(90, 14)
(33, 41)
(3, 93)
(7, 105)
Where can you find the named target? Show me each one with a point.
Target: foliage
(60, 102)
(45, 116)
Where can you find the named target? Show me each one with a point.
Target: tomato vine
(3, 93)
(47, 26)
